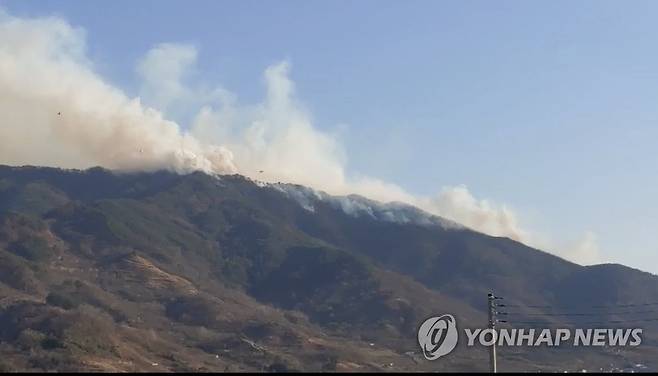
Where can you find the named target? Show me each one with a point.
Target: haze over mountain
(161, 271)
(56, 110)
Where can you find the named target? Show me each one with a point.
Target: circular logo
(437, 336)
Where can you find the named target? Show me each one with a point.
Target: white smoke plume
(163, 70)
(458, 204)
(56, 111)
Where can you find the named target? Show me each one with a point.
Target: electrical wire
(594, 306)
(577, 313)
(511, 317)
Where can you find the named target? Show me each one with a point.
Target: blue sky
(549, 107)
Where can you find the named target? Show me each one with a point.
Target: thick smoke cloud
(56, 111)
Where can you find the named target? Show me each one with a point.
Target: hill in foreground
(163, 272)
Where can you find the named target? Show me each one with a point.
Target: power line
(511, 317)
(594, 306)
(577, 323)
(578, 313)
(628, 305)
(522, 306)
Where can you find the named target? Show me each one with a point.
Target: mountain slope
(222, 273)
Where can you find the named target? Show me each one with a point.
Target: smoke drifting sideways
(56, 111)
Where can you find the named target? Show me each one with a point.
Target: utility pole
(492, 325)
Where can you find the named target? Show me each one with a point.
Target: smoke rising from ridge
(56, 111)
